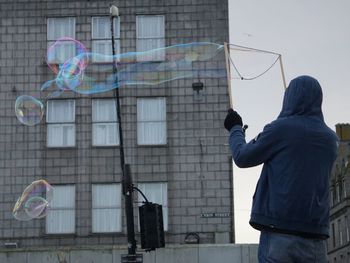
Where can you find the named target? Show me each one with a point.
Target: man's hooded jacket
(298, 151)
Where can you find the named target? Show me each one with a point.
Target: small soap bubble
(34, 201)
(29, 110)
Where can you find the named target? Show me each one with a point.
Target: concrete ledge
(202, 253)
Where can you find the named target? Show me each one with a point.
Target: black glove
(232, 119)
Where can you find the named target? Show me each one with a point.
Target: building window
(151, 121)
(150, 34)
(344, 188)
(335, 193)
(61, 218)
(106, 208)
(60, 123)
(59, 28)
(156, 193)
(104, 123)
(340, 232)
(328, 244)
(101, 38)
(347, 229)
(333, 235)
(332, 199)
(339, 191)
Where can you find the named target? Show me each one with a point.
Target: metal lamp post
(126, 181)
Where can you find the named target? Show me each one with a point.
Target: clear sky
(313, 38)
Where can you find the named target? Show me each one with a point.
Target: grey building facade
(186, 166)
(339, 241)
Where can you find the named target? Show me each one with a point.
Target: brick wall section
(195, 162)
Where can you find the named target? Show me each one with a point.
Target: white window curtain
(150, 34)
(151, 121)
(105, 131)
(106, 208)
(60, 123)
(58, 28)
(101, 38)
(156, 192)
(61, 217)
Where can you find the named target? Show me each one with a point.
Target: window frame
(95, 39)
(60, 124)
(339, 186)
(51, 41)
(334, 242)
(340, 232)
(73, 208)
(138, 121)
(120, 207)
(139, 38)
(116, 122)
(347, 230)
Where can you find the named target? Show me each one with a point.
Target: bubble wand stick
(228, 73)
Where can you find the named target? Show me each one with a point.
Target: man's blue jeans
(283, 248)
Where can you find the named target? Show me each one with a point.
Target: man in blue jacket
(290, 204)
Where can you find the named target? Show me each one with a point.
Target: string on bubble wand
(230, 61)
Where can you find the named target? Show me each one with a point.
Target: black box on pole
(151, 226)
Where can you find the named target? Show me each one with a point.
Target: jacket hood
(303, 97)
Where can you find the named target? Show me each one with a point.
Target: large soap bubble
(81, 75)
(87, 73)
(29, 110)
(34, 201)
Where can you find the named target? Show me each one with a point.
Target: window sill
(61, 147)
(104, 146)
(121, 234)
(56, 235)
(152, 145)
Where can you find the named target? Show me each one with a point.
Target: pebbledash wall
(193, 167)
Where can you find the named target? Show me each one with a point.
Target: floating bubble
(88, 73)
(34, 201)
(180, 61)
(51, 90)
(36, 207)
(61, 50)
(79, 74)
(29, 110)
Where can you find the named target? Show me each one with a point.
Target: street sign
(215, 215)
